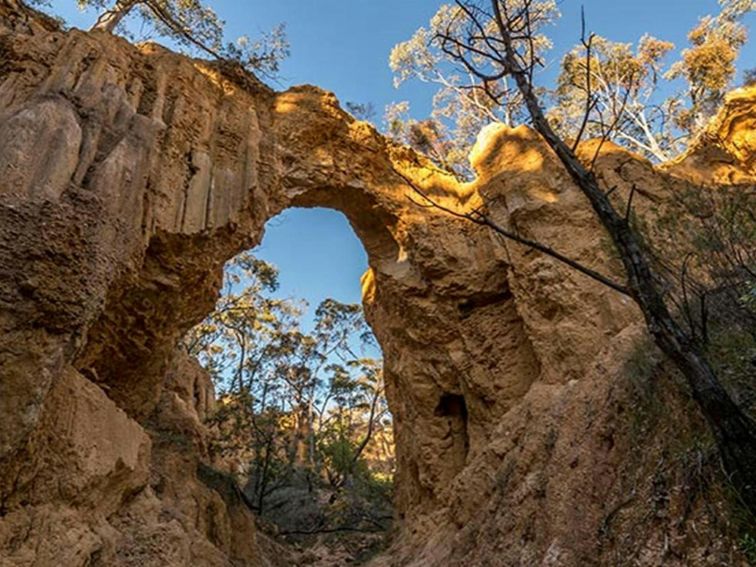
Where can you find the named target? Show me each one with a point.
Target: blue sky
(317, 253)
(343, 46)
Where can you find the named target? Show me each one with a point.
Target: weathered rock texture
(129, 175)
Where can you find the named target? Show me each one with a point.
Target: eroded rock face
(131, 175)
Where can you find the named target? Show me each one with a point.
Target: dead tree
(499, 41)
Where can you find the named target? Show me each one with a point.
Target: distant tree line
(294, 408)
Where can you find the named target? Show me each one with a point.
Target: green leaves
(462, 105)
(290, 399)
(263, 55)
(195, 27)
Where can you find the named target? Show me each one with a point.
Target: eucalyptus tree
(633, 88)
(494, 40)
(193, 25)
(461, 105)
(293, 403)
(602, 82)
(187, 21)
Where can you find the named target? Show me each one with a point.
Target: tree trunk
(311, 431)
(734, 431)
(262, 481)
(111, 18)
(301, 441)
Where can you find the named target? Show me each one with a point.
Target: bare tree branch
(479, 218)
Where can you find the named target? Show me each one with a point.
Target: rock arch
(162, 168)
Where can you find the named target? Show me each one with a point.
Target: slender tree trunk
(264, 474)
(311, 430)
(111, 18)
(369, 434)
(301, 449)
(734, 431)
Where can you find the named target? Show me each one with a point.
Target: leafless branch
(478, 217)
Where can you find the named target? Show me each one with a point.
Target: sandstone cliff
(130, 175)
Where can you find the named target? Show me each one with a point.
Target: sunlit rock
(130, 176)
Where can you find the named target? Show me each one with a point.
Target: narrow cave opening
(452, 408)
(300, 416)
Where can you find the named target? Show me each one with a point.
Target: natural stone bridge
(130, 175)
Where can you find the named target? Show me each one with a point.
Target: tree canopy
(194, 26)
(292, 403)
(461, 105)
(655, 105)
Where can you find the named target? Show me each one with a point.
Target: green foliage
(604, 89)
(625, 85)
(732, 351)
(193, 26)
(748, 545)
(708, 65)
(263, 55)
(715, 279)
(461, 106)
(622, 83)
(640, 367)
(703, 244)
(293, 404)
(748, 299)
(186, 21)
